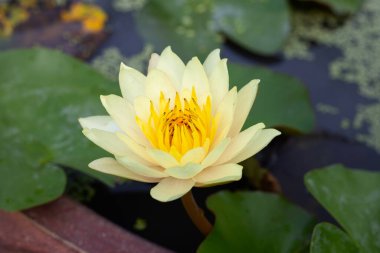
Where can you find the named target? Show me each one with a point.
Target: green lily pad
(44, 92)
(340, 7)
(327, 238)
(192, 27)
(259, 26)
(353, 199)
(281, 101)
(28, 177)
(256, 222)
(185, 25)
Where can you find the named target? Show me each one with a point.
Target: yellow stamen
(178, 127)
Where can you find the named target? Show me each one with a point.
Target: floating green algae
(368, 116)
(128, 5)
(357, 38)
(327, 109)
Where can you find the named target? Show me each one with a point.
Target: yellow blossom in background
(28, 3)
(93, 18)
(178, 126)
(6, 26)
(10, 17)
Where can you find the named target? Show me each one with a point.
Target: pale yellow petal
(239, 142)
(136, 148)
(245, 99)
(163, 158)
(211, 61)
(195, 76)
(257, 143)
(185, 94)
(172, 65)
(111, 142)
(141, 169)
(142, 107)
(214, 155)
(105, 123)
(218, 175)
(225, 115)
(194, 155)
(170, 189)
(110, 166)
(184, 172)
(124, 115)
(219, 82)
(132, 82)
(107, 141)
(153, 61)
(158, 82)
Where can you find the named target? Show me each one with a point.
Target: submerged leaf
(340, 6)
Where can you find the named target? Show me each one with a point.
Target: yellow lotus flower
(178, 126)
(93, 17)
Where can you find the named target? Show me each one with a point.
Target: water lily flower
(179, 126)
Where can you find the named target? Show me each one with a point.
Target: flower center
(178, 127)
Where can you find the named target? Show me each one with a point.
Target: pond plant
(178, 126)
(244, 220)
(184, 126)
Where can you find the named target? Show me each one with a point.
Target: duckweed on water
(128, 5)
(358, 40)
(328, 109)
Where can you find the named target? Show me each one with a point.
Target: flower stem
(196, 214)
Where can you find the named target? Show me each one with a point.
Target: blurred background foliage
(306, 52)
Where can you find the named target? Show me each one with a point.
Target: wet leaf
(44, 92)
(259, 26)
(193, 27)
(27, 176)
(327, 238)
(256, 222)
(281, 100)
(352, 197)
